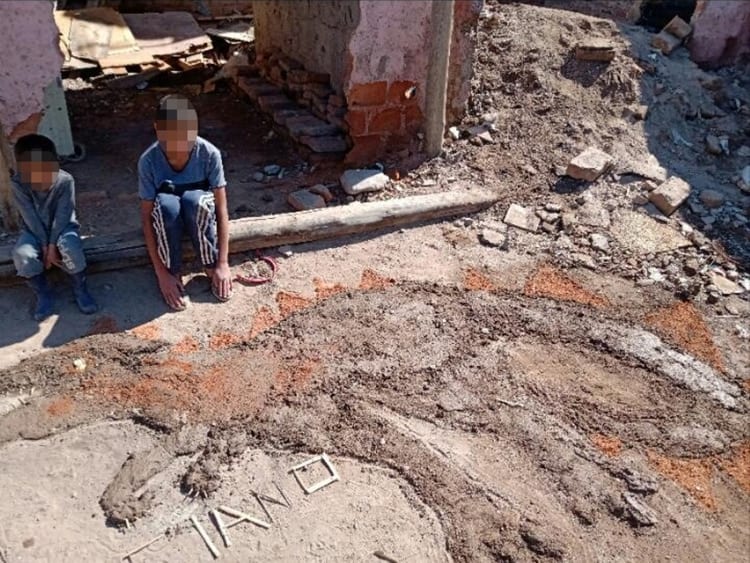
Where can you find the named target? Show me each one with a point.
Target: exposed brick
(357, 120)
(275, 102)
(366, 150)
(277, 75)
(325, 144)
(397, 92)
(319, 77)
(317, 113)
(310, 126)
(320, 90)
(305, 76)
(255, 87)
(282, 116)
(370, 94)
(386, 121)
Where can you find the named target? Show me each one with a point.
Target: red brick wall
(383, 117)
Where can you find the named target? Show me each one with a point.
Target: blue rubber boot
(45, 300)
(85, 302)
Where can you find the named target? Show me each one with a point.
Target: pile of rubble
(631, 232)
(353, 182)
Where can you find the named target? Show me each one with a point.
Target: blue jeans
(28, 253)
(194, 211)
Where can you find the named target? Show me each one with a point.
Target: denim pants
(28, 253)
(195, 212)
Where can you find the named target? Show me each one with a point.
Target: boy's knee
(167, 206)
(70, 246)
(27, 260)
(200, 204)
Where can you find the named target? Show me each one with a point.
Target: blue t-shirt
(204, 165)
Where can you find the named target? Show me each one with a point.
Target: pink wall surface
(721, 31)
(391, 43)
(31, 58)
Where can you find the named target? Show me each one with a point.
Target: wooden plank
(169, 33)
(94, 33)
(128, 249)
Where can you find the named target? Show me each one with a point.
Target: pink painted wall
(721, 32)
(31, 58)
(391, 43)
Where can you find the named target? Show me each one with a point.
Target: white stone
(726, 287)
(491, 237)
(522, 218)
(454, 133)
(272, 169)
(670, 195)
(589, 165)
(599, 242)
(302, 200)
(359, 181)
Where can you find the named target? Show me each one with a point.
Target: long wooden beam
(109, 252)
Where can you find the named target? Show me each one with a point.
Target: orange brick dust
(222, 340)
(60, 407)
(371, 280)
(185, 346)
(550, 282)
(609, 445)
(148, 331)
(291, 303)
(103, 325)
(474, 280)
(693, 475)
(220, 392)
(325, 290)
(738, 466)
(264, 319)
(683, 324)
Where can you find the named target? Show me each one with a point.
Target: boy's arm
(65, 206)
(222, 274)
(31, 220)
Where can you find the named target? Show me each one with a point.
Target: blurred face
(38, 170)
(178, 132)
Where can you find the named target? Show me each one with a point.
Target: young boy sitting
(45, 198)
(182, 187)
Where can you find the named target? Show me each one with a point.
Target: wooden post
(441, 30)
(8, 214)
(108, 252)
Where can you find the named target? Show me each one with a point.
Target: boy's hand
(222, 280)
(51, 256)
(172, 290)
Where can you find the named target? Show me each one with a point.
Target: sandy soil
(541, 400)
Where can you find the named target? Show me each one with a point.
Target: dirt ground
(540, 399)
